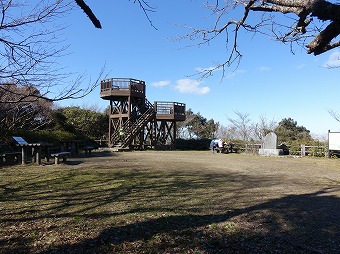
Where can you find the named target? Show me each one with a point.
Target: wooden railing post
(303, 150)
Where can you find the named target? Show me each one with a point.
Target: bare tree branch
(314, 24)
(322, 10)
(89, 13)
(146, 7)
(335, 115)
(30, 48)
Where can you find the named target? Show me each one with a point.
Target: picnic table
(33, 150)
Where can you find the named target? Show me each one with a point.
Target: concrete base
(271, 152)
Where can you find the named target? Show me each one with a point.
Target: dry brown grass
(172, 202)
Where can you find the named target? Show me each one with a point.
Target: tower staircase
(133, 126)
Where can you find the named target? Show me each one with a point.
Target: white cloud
(207, 69)
(333, 60)
(300, 66)
(161, 83)
(191, 86)
(264, 68)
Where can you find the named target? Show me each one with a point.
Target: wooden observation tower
(136, 123)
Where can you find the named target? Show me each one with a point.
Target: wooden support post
(23, 155)
(303, 150)
(38, 155)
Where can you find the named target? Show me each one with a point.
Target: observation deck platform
(169, 111)
(115, 88)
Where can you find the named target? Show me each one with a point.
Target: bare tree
(30, 47)
(242, 125)
(263, 127)
(314, 24)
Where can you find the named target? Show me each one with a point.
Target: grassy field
(172, 202)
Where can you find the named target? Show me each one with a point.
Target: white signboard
(334, 140)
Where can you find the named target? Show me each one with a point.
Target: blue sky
(269, 81)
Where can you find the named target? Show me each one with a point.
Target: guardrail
(169, 108)
(313, 150)
(122, 84)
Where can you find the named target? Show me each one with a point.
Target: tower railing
(122, 84)
(175, 110)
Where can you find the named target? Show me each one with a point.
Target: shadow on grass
(304, 223)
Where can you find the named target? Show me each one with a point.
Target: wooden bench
(10, 157)
(88, 150)
(57, 156)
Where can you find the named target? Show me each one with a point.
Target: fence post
(303, 150)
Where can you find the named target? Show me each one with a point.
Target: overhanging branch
(89, 13)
